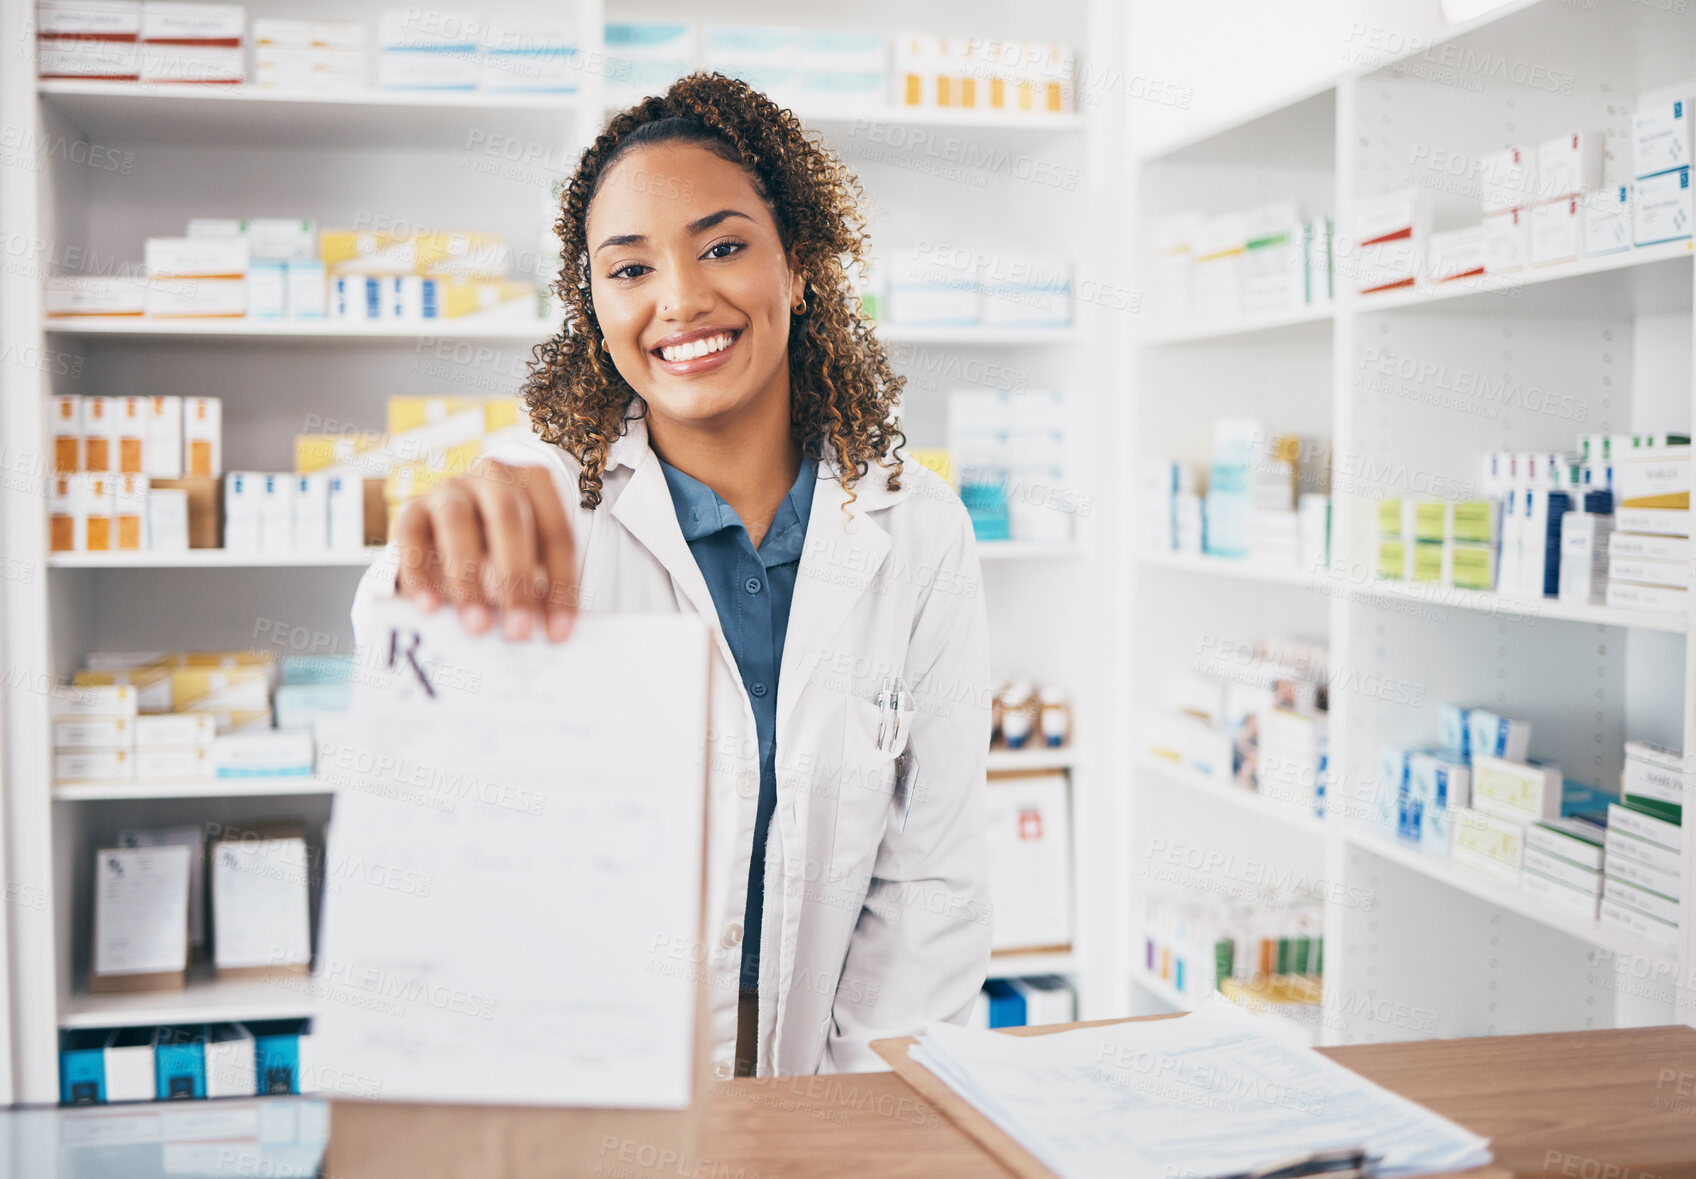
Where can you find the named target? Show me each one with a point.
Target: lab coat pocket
(866, 781)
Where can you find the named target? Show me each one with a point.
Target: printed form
(1207, 1094)
(517, 844)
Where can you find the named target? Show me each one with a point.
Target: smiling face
(691, 285)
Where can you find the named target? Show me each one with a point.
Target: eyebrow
(699, 225)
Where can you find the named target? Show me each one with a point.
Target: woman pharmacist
(717, 424)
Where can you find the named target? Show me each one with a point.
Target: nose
(685, 294)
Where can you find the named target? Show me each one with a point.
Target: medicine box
(1623, 847)
(1489, 735)
(1663, 208)
(174, 728)
(1029, 823)
(230, 1061)
(1557, 231)
(277, 1054)
(1644, 546)
(1578, 841)
(1514, 790)
(99, 435)
(152, 686)
(1488, 843)
(1625, 595)
(1651, 879)
(1654, 478)
(97, 700)
(1654, 773)
(94, 732)
(1661, 137)
(1632, 896)
(1569, 164)
(263, 753)
(1507, 240)
(192, 23)
(1658, 933)
(77, 57)
(1609, 218)
(221, 689)
(1588, 880)
(101, 20)
(179, 1063)
(259, 885)
(1646, 827)
(203, 436)
(1653, 521)
(1507, 179)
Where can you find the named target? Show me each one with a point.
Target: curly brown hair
(842, 388)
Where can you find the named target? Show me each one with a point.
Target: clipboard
(963, 1113)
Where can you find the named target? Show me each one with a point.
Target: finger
(459, 540)
(418, 562)
(558, 554)
(509, 531)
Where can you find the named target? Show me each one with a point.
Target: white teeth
(696, 348)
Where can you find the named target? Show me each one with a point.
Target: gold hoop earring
(801, 307)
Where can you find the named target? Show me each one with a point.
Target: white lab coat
(872, 925)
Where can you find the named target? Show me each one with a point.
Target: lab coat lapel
(839, 562)
(644, 507)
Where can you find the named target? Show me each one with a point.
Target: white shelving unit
(424, 160)
(1404, 931)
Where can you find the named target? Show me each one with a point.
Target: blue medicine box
(82, 1067)
(276, 1048)
(179, 1063)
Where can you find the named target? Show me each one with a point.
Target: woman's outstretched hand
(495, 540)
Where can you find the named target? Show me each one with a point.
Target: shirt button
(759, 691)
(752, 585)
(732, 935)
(723, 1070)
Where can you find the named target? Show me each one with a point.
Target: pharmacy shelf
(1018, 965)
(213, 559)
(1003, 761)
(1231, 794)
(125, 113)
(1510, 898)
(280, 786)
(982, 335)
(204, 1000)
(1242, 569)
(1522, 610)
(1649, 280)
(1304, 319)
(527, 331)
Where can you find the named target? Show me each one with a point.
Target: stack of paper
(1207, 1094)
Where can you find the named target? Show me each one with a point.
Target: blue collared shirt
(752, 591)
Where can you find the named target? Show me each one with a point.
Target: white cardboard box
(1030, 855)
(1661, 137)
(1663, 208)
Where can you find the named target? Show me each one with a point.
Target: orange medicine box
(67, 433)
(203, 442)
(130, 431)
(98, 434)
(129, 512)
